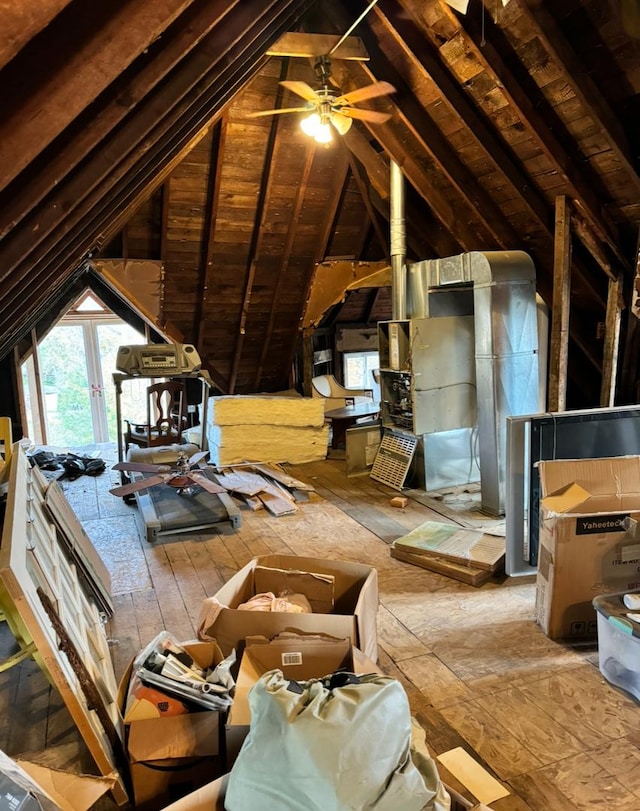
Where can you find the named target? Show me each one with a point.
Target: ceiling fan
(180, 476)
(326, 106)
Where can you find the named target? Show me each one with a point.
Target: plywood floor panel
(548, 740)
(499, 748)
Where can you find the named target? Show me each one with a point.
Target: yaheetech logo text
(592, 524)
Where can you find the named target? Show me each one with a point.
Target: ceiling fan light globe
(323, 134)
(310, 124)
(341, 123)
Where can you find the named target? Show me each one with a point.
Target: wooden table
(343, 418)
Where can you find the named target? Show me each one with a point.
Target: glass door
(76, 360)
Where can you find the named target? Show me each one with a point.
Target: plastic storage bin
(618, 643)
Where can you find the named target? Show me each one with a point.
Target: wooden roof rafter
(292, 229)
(142, 78)
(260, 222)
(406, 30)
(495, 54)
(218, 141)
(432, 141)
(135, 158)
(356, 173)
(324, 234)
(584, 88)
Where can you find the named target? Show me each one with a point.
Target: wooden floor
(478, 671)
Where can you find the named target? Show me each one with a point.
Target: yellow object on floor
(6, 441)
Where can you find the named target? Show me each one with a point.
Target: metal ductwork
(398, 245)
(506, 346)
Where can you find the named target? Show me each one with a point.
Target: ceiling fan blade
(141, 467)
(371, 91)
(373, 116)
(207, 484)
(342, 123)
(303, 90)
(197, 457)
(261, 113)
(141, 484)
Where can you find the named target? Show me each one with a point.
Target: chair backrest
(166, 413)
(321, 386)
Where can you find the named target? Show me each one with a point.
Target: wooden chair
(335, 395)
(166, 417)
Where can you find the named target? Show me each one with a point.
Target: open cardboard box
(298, 656)
(343, 596)
(171, 756)
(211, 798)
(64, 790)
(589, 540)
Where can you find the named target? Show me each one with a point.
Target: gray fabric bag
(343, 743)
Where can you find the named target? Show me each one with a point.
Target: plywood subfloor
(478, 671)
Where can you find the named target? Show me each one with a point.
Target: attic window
(88, 304)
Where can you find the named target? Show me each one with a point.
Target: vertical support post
(629, 373)
(307, 362)
(559, 348)
(39, 417)
(611, 342)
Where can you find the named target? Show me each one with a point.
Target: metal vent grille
(394, 457)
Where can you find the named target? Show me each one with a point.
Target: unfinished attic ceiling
(510, 123)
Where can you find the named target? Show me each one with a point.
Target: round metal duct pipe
(398, 245)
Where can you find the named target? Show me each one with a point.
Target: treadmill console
(158, 360)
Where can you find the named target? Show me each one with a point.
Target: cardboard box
(211, 798)
(31, 785)
(344, 604)
(171, 756)
(589, 540)
(298, 656)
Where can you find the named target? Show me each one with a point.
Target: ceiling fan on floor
(182, 475)
(326, 106)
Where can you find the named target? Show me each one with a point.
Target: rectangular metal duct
(506, 346)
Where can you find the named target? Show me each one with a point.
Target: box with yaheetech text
(589, 540)
(343, 597)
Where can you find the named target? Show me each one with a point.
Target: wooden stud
(559, 348)
(611, 343)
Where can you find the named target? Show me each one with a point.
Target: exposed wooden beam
(292, 230)
(260, 224)
(495, 54)
(545, 28)
(559, 345)
(398, 19)
(322, 243)
(583, 231)
(611, 343)
(313, 45)
(218, 142)
(40, 424)
(383, 240)
(416, 175)
(85, 135)
(22, 21)
(371, 304)
(105, 40)
(431, 140)
(629, 378)
(123, 180)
